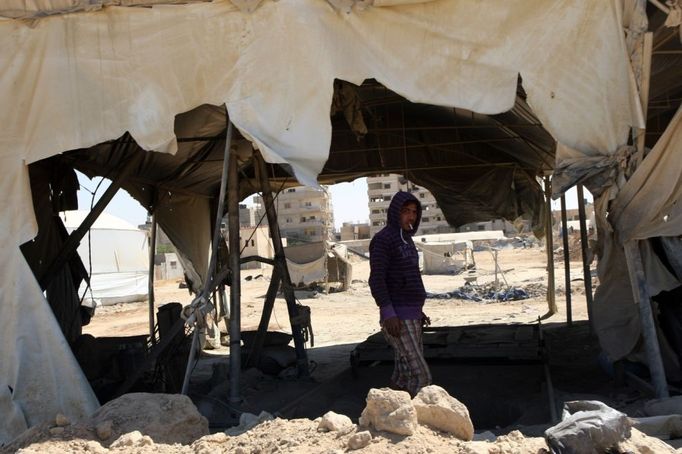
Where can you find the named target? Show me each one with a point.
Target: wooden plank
(642, 298)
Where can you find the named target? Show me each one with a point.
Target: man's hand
(426, 321)
(392, 326)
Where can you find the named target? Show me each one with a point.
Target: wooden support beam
(587, 275)
(150, 287)
(72, 242)
(257, 258)
(235, 285)
(549, 243)
(567, 263)
(296, 329)
(647, 46)
(642, 298)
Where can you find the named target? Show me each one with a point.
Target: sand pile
(158, 423)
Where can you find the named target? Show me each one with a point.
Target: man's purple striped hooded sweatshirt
(394, 279)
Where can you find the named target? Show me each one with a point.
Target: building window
(252, 243)
(387, 185)
(173, 264)
(287, 205)
(291, 190)
(481, 227)
(302, 218)
(311, 218)
(425, 219)
(376, 211)
(387, 198)
(288, 221)
(421, 195)
(309, 204)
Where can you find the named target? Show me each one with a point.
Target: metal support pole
(549, 243)
(641, 294)
(200, 301)
(297, 332)
(235, 286)
(567, 262)
(587, 275)
(150, 288)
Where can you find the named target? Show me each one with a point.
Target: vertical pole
(549, 243)
(280, 260)
(150, 288)
(647, 47)
(225, 311)
(567, 264)
(235, 287)
(495, 257)
(641, 294)
(210, 274)
(587, 276)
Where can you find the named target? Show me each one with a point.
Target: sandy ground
(499, 397)
(340, 320)
(348, 317)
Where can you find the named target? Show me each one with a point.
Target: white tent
(120, 258)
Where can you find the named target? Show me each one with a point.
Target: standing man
(398, 290)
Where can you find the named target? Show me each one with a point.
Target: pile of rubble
(488, 293)
(432, 422)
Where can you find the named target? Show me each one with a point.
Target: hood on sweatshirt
(399, 199)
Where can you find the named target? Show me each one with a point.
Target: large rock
(334, 422)
(389, 410)
(439, 410)
(166, 418)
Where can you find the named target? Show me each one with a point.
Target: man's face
(408, 216)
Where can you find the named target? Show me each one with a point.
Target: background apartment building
(381, 189)
(305, 214)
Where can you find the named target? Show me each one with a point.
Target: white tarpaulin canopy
(75, 80)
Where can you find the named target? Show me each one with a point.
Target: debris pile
(432, 422)
(490, 293)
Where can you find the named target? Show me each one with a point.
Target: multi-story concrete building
(305, 214)
(248, 215)
(380, 189)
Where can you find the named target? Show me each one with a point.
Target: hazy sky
(348, 199)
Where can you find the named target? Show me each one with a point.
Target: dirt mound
(271, 436)
(163, 418)
(302, 436)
